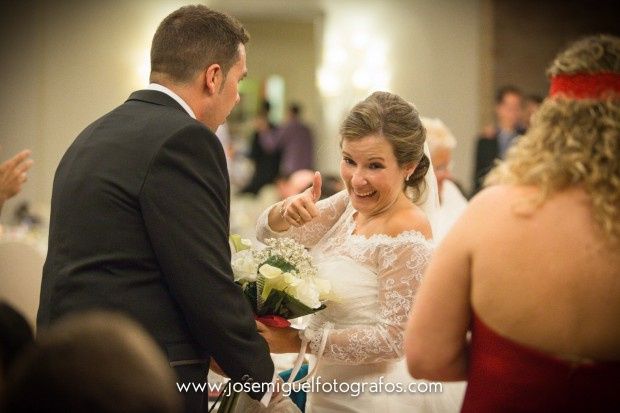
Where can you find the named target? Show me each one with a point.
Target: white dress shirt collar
(180, 101)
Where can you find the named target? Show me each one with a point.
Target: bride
(372, 242)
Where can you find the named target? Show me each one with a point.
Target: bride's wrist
(276, 217)
(305, 336)
(297, 344)
(282, 208)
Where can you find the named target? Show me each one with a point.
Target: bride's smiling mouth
(364, 194)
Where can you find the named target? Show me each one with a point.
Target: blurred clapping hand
(13, 174)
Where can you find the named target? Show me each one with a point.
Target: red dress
(505, 376)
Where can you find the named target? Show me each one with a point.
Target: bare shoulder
(410, 219)
(495, 196)
(496, 208)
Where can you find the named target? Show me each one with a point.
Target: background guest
(296, 142)
(332, 184)
(531, 104)
(294, 184)
(452, 203)
(16, 335)
(302, 179)
(13, 174)
(495, 140)
(93, 363)
(535, 259)
(264, 151)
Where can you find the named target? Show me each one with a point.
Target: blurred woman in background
(452, 203)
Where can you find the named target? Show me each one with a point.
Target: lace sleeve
(401, 266)
(330, 209)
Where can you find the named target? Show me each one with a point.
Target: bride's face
(371, 174)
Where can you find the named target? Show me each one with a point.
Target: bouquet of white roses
(280, 281)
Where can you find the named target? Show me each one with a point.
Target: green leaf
(237, 242)
(273, 304)
(279, 262)
(299, 309)
(284, 305)
(251, 294)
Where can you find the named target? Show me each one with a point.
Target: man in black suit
(140, 209)
(495, 140)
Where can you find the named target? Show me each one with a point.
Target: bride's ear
(410, 170)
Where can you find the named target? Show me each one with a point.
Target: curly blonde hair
(574, 142)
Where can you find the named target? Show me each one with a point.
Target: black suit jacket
(139, 224)
(487, 151)
(266, 165)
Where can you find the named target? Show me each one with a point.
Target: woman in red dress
(532, 268)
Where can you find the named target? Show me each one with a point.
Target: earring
(409, 176)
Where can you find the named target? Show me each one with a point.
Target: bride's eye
(348, 161)
(376, 165)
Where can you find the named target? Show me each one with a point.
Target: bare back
(548, 278)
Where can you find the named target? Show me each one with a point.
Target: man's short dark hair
(191, 39)
(506, 90)
(265, 108)
(295, 108)
(534, 98)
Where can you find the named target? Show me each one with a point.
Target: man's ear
(213, 77)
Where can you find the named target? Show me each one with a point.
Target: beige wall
(432, 59)
(528, 35)
(521, 39)
(64, 64)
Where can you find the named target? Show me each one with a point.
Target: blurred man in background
(495, 140)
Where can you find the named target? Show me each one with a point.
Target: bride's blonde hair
(574, 141)
(392, 117)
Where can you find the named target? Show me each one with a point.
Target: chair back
(21, 267)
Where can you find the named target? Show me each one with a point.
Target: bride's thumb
(317, 182)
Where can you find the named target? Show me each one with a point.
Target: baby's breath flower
(284, 265)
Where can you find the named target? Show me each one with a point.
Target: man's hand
(13, 174)
(300, 209)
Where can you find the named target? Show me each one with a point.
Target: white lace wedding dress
(375, 280)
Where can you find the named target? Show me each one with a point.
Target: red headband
(586, 86)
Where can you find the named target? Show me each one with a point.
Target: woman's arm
(401, 264)
(279, 220)
(435, 342)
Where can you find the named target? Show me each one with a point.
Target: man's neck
(192, 96)
(188, 94)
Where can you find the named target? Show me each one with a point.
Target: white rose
(324, 287)
(270, 272)
(305, 292)
(289, 280)
(273, 279)
(244, 267)
(238, 244)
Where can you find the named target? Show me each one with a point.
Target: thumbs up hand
(298, 210)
